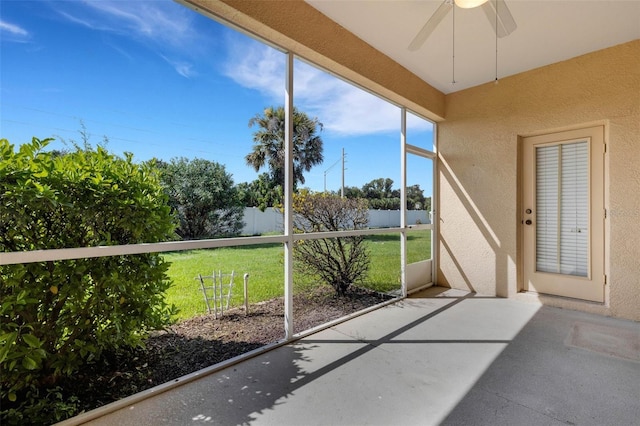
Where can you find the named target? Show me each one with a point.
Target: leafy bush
(339, 262)
(203, 197)
(57, 315)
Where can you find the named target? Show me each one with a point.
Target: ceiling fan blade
(506, 23)
(431, 25)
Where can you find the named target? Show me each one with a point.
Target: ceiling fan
(496, 10)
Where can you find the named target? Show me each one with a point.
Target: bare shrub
(338, 262)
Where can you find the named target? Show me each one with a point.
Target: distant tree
(427, 204)
(203, 197)
(268, 144)
(246, 195)
(416, 199)
(338, 262)
(384, 203)
(378, 188)
(353, 192)
(381, 195)
(260, 193)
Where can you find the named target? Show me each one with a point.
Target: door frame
(520, 206)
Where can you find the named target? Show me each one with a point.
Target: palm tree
(268, 144)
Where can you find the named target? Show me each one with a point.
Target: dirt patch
(203, 341)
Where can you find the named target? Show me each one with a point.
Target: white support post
(288, 201)
(215, 295)
(435, 223)
(246, 294)
(403, 201)
(342, 186)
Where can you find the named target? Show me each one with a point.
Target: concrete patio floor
(440, 357)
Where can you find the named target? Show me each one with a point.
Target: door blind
(562, 208)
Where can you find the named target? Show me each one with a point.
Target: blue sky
(160, 80)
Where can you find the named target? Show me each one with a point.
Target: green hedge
(56, 316)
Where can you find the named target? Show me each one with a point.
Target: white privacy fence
(257, 222)
(391, 218)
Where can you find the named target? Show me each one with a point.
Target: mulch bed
(202, 341)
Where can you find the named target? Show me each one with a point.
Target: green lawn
(264, 264)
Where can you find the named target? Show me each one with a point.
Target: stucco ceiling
(548, 31)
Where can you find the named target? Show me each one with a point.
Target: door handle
(528, 222)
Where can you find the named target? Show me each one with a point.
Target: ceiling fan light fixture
(469, 4)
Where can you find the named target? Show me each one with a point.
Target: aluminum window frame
(289, 237)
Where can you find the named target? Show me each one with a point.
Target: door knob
(528, 211)
(528, 222)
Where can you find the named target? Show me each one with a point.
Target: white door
(563, 214)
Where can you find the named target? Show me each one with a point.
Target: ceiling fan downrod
(453, 48)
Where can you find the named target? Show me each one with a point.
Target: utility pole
(342, 188)
(327, 171)
(331, 167)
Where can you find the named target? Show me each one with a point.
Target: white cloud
(183, 68)
(166, 28)
(256, 66)
(15, 32)
(341, 107)
(161, 22)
